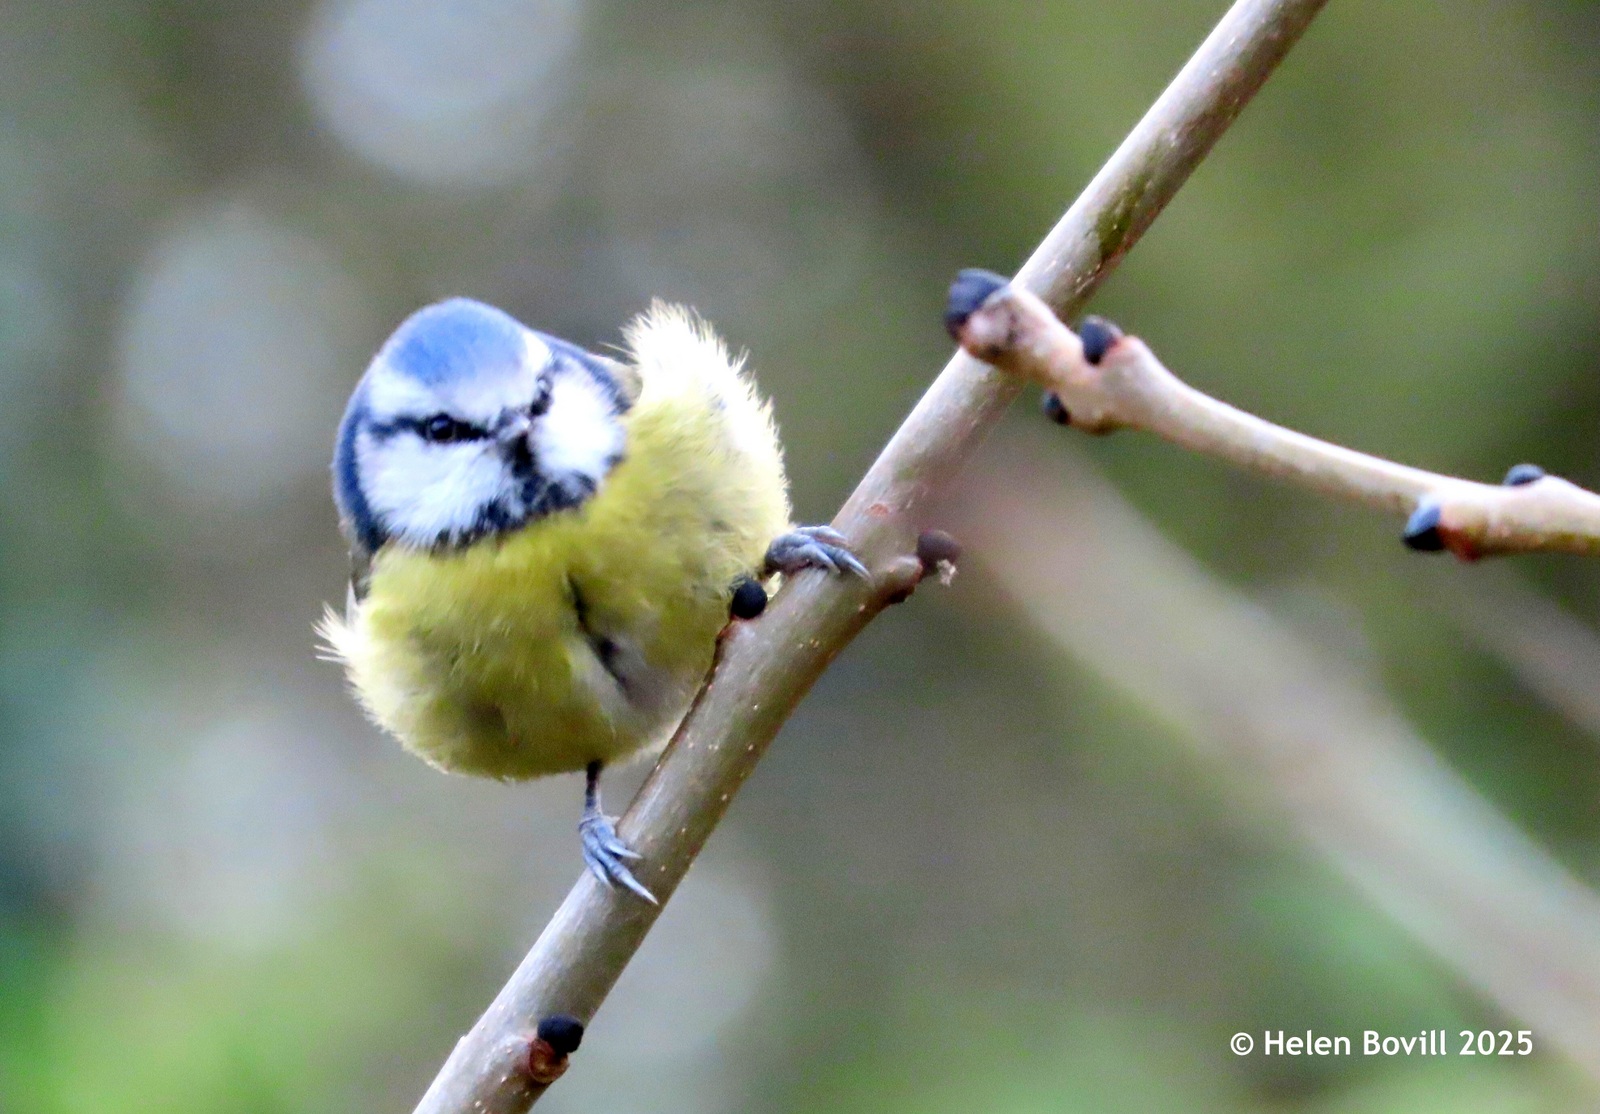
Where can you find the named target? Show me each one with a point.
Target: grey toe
(607, 856)
(822, 534)
(813, 547)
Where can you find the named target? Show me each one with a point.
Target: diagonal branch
(1102, 381)
(765, 667)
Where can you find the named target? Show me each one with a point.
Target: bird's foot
(812, 547)
(607, 856)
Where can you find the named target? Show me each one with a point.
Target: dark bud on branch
(1422, 528)
(937, 551)
(1522, 474)
(557, 1037)
(749, 599)
(937, 554)
(1055, 409)
(562, 1033)
(970, 290)
(1098, 336)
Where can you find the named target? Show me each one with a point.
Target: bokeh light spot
(240, 337)
(456, 93)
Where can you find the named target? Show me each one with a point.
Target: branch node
(1430, 530)
(557, 1038)
(899, 579)
(1015, 331)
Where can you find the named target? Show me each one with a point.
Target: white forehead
(460, 358)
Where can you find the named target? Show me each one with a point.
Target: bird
(546, 542)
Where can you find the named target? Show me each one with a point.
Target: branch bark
(1103, 381)
(765, 667)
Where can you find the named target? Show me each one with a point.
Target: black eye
(443, 429)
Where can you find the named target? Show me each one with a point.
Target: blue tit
(545, 542)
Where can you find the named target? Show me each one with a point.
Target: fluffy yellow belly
(580, 637)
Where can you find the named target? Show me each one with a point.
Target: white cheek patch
(422, 491)
(580, 435)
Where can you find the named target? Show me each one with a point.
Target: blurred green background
(969, 876)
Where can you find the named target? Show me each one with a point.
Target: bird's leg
(812, 547)
(603, 850)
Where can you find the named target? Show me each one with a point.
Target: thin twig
(1298, 728)
(1104, 381)
(766, 667)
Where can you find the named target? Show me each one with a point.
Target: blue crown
(453, 339)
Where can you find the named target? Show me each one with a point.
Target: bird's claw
(813, 547)
(822, 534)
(607, 856)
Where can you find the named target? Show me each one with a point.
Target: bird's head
(468, 423)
